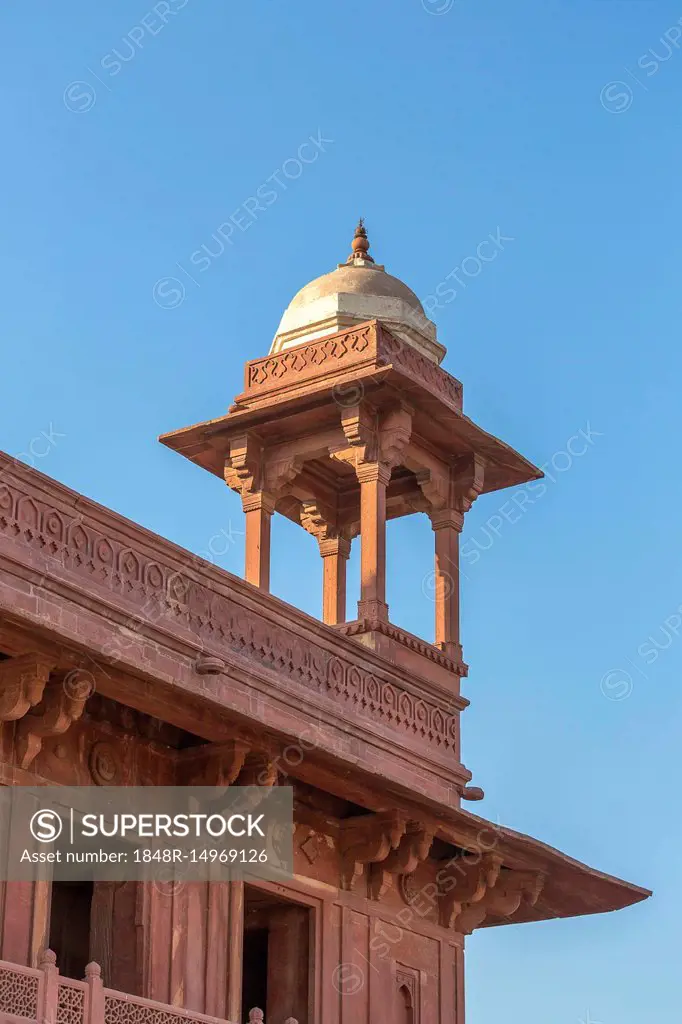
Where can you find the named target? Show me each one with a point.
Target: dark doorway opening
(276, 962)
(70, 911)
(255, 973)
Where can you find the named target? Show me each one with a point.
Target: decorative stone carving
(243, 467)
(395, 431)
(466, 882)
(403, 860)
(467, 481)
(511, 889)
(22, 682)
(368, 345)
(472, 793)
(60, 707)
(368, 840)
(224, 623)
(104, 764)
(259, 770)
(313, 843)
(211, 764)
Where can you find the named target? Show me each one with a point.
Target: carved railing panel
(369, 344)
(19, 991)
(71, 1001)
(40, 995)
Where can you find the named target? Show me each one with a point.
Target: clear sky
(128, 141)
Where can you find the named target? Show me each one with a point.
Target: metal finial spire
(360, 245)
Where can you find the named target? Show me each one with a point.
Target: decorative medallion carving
(104, 764)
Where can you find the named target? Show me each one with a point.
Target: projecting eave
(303, 391)
(570, 888)
(206, 444)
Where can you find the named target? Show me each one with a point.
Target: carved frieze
(369, 344)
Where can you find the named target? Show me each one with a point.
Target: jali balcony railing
(42, 996)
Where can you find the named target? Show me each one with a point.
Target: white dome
(355, 292)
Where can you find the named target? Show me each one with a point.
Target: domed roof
(357, 291)
(355, 280)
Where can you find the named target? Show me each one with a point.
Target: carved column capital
(373, 472)
(260, 501)
(445, 518)
(334, 545)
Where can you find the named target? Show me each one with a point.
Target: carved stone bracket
(244, 464)
(467, 481)
(413, 849)
(61, 705)
(511, 889)
(368, 839)
(318, 520)
(466, 882)
(212, 764)
(259, 769)
(22, 683)
(395, 431)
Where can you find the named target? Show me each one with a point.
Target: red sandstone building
(127, 661)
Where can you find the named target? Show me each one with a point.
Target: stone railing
(42, 996)
(131, 591)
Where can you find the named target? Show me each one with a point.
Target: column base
(423, 660)
(374, 610)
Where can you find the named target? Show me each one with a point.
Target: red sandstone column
(374, 478)
(335, 552)
(258, 508)
(447, 524)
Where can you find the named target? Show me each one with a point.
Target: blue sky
(129, 140)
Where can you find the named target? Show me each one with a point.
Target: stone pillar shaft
(335, 552)
(447, 526)
(374, 478)
(258, 509)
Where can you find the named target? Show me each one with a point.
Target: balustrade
(43, 996)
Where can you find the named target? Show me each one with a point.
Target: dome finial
(360, 245)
